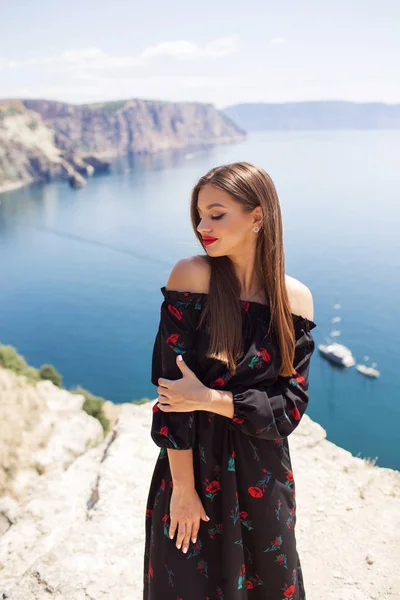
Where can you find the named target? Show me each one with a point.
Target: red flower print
(295, 413)
(249, 585)
(202, 566)
(173, 310)
(300, 379)
(165, 518)
(155, 408)
(220, 381)
(255, 491)
(289, 476)
(151, 572)
(264, 355)
(289, 592)
(243, 514)
(246, 305)
(213, 487)
(172, 339)
(163, 484)
(164, 430)
(238, 420)
(148, 512)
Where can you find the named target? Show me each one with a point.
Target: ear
(259, 216)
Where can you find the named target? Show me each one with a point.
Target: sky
(223, 52)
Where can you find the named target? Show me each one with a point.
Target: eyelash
(217, 218)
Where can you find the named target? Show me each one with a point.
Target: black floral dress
(242, 466)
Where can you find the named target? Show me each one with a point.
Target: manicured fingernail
(194, 540)
(179, 546)
(171, 536)
(180, 357)
(207, 517)
(184, 550)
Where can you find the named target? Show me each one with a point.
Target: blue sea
(81, 270)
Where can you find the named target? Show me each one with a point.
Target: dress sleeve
(175, 336)
(274, 410)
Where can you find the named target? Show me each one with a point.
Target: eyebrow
(211, 205)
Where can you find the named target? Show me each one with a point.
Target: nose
(202, 227)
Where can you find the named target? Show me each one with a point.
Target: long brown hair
(250, 186)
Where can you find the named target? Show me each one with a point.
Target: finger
(195, 530)
(186, 539)
(172, 527)
(203, 514)
(163, 399)
(181, 534)
(163, 391)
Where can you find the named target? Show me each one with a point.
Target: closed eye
(217, 218)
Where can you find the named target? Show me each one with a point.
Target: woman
(221, 510)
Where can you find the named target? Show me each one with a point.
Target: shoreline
(10, 186)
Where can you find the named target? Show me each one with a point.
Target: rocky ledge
(79, 532)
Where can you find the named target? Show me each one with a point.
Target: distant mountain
(41, 140)
(315, 115)
(141, 126)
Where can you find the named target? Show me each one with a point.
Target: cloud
(93, 58)
(184, 50)
(222, 47)
(20, 63)
(180, 49)
(97, 59)
(91, 87)
(275, 41)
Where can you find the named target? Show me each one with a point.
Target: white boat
(333, 351)
(370, 371)
(338, 354)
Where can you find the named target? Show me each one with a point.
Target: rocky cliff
(140, 126)
(29, 151)
(79, 532)
(43, 140)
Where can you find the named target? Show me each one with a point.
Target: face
(225, 221)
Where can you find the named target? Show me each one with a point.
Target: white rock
(57, 546)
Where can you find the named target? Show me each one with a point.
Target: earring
(256, 229)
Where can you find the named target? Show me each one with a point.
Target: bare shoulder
(191, 274)
(300, 298)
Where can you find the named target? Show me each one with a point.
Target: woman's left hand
(182, 395)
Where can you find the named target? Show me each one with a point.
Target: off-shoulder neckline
(257, 305)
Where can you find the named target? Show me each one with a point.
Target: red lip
(209, 240)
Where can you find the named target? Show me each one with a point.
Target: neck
(244, 265)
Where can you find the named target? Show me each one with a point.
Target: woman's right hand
(186, 510)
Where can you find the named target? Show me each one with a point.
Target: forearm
(181, 467)
(219, 402)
